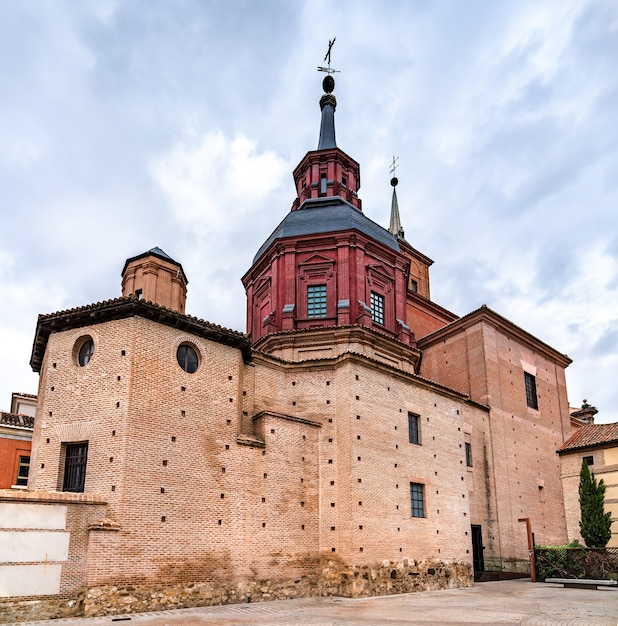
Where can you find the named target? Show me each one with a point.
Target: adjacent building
(597, 445)
(15, 441)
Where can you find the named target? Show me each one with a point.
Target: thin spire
(328, 103)
(327, 125)
(395, 227)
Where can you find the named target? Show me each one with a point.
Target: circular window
(187, 358)
(85, 352)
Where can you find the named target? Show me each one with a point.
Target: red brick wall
(348, 263)
(520, 473)
(194, 504)
(367, 463)
(163, 451)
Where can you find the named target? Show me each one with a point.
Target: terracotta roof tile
(591, 435)
(128, 306)
(16, 419)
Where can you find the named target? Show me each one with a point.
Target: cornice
(268, 360)
(332, 335)
(322, 242)
(122, 308)
(485, 315)
(426, 303)
(414, 252)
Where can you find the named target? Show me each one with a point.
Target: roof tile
(591, 435)
(16, 419)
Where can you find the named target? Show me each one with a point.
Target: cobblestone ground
(520, 603)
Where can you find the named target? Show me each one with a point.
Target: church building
(359, 439)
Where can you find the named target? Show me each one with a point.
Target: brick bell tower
(326, 264)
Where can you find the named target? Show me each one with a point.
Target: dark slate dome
(327, 215)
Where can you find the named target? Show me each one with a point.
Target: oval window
(187, 358)
(85, 352)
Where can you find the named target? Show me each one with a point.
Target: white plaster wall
(29, 580)
(33, 516)
(32, 546)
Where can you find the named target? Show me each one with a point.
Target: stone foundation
(336, 579)
(514, 566)
(29, 609)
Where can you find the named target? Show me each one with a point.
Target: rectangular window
(588, 460)
(413, 286)
(417, 498)
(377, 308)
(323, 185)
(414, 435)
(531, 398)
(316, 301)
(468, 454)
(75, 467)
(22, 471)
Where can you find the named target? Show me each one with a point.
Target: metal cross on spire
(328, 69)
(394, 166)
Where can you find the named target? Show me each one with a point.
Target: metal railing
(576, 562)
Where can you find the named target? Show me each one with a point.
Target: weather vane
(394, 166)
(328, 69)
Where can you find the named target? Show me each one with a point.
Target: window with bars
(531, 398)
(414, 434)
(377, 308)
(22, 471)
(316, 301)
(417, 498)
(75, 461)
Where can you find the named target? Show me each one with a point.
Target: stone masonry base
(335, 579)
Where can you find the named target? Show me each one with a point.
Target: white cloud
(212, 181)
(22, 299)
(223, 191)
(127, 125)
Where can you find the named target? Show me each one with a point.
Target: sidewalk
(515, 602)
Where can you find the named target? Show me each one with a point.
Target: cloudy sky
(137, 123)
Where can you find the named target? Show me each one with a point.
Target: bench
(582, 583)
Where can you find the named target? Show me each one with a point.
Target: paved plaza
(518, 602)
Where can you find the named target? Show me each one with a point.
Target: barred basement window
(414, 435)
(75, 467)
(377, 308)
(531, 399)
(417, 498)
(316, 301)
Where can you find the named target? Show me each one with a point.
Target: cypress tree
(595, 524)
